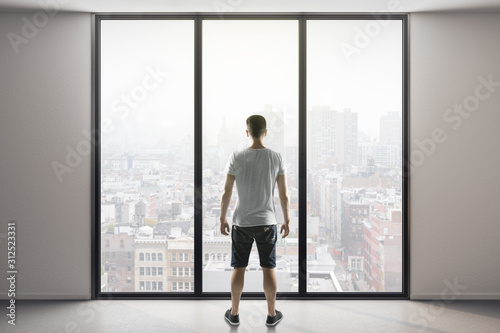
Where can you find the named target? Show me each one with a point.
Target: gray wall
(45, 99)
(45, 96)
(455, 192)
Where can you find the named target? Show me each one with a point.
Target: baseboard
(413, 296)
(46, 296)
(462, 297)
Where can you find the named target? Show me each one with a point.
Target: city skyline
(160, 203)
(354, 170)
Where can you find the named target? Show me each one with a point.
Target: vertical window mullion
(405, 166)
(198, 195)
(302, 269)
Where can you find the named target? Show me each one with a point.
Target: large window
(249, 67)
(147, 151)
(354, 156)
(172, 96)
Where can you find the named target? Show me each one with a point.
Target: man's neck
(257, 144)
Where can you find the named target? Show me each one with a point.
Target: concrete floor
(299, 316)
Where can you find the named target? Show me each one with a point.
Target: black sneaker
(233, 320)
(272, 321)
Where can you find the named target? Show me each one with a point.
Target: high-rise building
(381, 154)
(347, 138)
(354, 212)
(323, 198)
(391, 128)
(187, 150)
(383, 245)
(140, 213)
(321, 135)
(225, 139)
(276, 128)
(332, 136)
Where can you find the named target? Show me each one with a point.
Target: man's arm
(285, 204)
(224, 203)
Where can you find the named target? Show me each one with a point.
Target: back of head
(256, 125)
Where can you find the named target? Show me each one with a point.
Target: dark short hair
(256, 125)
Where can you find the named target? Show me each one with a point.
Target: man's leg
(237, 282)
(270, 287)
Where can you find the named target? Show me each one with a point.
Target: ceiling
(221, 6)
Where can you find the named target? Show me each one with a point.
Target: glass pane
(249, 67)
(147, 177)
(354, 179)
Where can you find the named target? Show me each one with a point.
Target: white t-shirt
(256, 172)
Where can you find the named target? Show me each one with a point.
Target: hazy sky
(370, 83)
(130, 51)
(246, 64)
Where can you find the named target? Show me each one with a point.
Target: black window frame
(198, 18)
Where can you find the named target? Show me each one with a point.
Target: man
(256, 170)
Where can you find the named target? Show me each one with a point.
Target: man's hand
(285, 227)
(224, 227)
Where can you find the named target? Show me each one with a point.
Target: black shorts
(242, 240)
